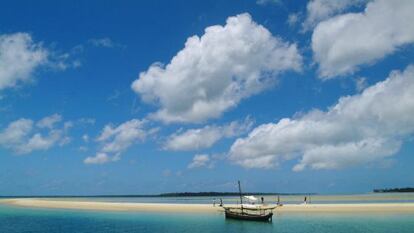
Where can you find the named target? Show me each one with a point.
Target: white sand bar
(203, 208)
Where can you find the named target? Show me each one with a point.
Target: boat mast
(241, 198)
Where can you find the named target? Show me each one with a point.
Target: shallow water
(287, 199)
(17, 219)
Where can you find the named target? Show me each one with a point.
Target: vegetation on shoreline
(395, 190)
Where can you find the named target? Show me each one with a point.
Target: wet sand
(207, 208)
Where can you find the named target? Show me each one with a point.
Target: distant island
(182, 194)
(221, 194)
(394, 190)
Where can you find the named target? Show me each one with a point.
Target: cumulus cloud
(24, 136)
(345, 42)
(116, 140)
(201, 138)
(319, 10)
(50, 121)
(214, 72)
(359, 129)
(99, 158)
(20, 56)
(202, 160)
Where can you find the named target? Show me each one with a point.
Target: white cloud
(267, 2)
(24, 136)
(87, 121)
(116, 140)
(85, 138)
(102, 42)
(214, 72)
(319, 10)
(39, 142)
(359, 129)
(65, 140)
(345, 42)
(293, 19)
(16, 131)
(83, 148)
(67, 125)
(50, 121)
(62, 61)
(120, 138)
(360, 83)
(201, 160)
(99, 158)
(19, 58)
(196, 139)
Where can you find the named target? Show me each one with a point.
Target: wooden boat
(249, 212)
(254, 215)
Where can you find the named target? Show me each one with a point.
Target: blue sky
(173, 96)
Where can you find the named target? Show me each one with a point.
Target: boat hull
(249, 217)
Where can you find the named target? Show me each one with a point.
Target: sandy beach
(205, 208)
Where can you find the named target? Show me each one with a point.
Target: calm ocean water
(287, 199)
(27, 220)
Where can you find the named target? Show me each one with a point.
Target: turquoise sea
(286, 199)
(31, 220)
